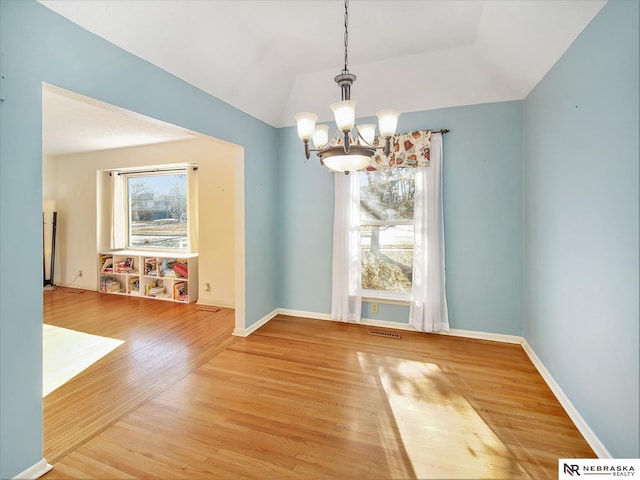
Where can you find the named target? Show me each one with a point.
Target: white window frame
(179, 170)
(386, 296)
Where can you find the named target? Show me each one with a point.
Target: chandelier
(350, 147)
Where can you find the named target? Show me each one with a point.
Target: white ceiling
(72, 123)
(272, 59)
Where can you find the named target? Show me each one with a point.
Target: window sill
(391, 298)
(152, 252)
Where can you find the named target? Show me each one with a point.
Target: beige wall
(48, 178)
(83, 220)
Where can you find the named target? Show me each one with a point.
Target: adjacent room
(199, 291)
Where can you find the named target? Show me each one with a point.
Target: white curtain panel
(192, 209)
(346, 290)
(118, 211)
(428, 310)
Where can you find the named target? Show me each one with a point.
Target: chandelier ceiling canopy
(351, 147)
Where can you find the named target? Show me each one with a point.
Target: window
(387, 231)
(157, 210)
(388, 235)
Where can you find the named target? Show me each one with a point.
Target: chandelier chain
(346, 151)
(346, 36)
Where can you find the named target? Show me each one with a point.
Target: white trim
(34, 471)
(245, 332)
(390, 298)
(591, 438)
(363, 321)
(236, 154)
(582, 426)
(494, 337)
(384, 223)
(373, 322)
(149, 252)
(207, 303)
(369, 296)
(300, 313)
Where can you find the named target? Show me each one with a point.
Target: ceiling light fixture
(346, 152)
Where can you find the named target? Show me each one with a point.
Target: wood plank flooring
(299, 398)
(164, 342)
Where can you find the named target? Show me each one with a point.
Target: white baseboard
(494, 337)
(245, 332)
(591, 438)
(582, 426)
(372, 322)
(207, 303)
(303, 314)
(34, 471)
(363, 321)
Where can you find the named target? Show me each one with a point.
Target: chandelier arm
(339, 150)
(386, 147)
(366, 144)
(342, 144)
(360, 137)
(335, 135)
(307, 150)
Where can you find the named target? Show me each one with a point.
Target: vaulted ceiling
(272, 59)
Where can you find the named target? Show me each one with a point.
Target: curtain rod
(157, 170)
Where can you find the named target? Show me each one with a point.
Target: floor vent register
(380, 333)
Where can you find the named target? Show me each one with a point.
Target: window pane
(387, 194)
(387, 257)
(158, 211)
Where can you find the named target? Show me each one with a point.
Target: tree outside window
(157, 210)
(387, 229)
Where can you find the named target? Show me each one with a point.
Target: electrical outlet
(207, 287)
(374, 308)
(79, 273)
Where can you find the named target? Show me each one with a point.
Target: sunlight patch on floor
(67, 352)
(449, 428)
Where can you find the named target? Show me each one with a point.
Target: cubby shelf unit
(159, 276)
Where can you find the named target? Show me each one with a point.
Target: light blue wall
(306, 227)
(483, 219)
(581, 225)
(37, 45)
(580, 202)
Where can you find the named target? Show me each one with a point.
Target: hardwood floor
(298, 398)
(164, 342)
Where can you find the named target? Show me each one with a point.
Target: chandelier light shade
(351, 147)
(388, 121)
(321, 136)
(368, 133)
(345, 114)
(306, 125)
(347, 162)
